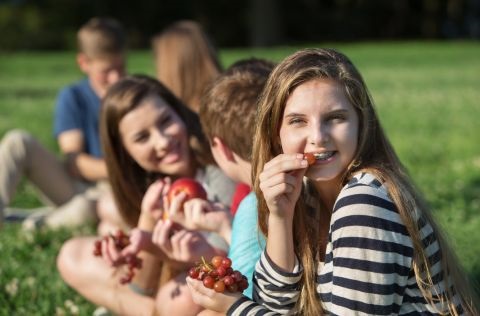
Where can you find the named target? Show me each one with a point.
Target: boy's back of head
(101, 37)
(228, 108)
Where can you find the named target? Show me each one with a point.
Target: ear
(82, 62)
(223, 148)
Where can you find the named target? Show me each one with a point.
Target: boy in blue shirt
(70, 185)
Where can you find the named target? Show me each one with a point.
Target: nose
(319, 134)
(160, 141)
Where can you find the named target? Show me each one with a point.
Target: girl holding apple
(150, 139)
(347, 234)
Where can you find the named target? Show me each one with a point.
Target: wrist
(146, 222)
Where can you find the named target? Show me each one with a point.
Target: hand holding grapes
(111, 247)
(215, 285)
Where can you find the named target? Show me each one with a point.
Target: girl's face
(319, 118)
(156, 138)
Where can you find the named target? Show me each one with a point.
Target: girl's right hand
(281, 183)
(140, 240)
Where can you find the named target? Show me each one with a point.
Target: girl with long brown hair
(150, 139)
(347, 232)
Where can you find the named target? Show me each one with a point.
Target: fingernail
(304, 163)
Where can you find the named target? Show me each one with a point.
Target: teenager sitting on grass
(187, 63)
(149, 138)
(70, 186)
(227, 114)
(347, 232)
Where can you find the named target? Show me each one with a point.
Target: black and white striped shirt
(368, 262)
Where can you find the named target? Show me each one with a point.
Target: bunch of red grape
(219, 275)
(121, 241)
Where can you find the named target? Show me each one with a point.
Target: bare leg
(96, 281)
(178, 296)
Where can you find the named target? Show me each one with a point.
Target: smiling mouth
(324, 155)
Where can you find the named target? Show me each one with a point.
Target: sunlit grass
(426, 94)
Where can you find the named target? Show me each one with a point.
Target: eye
(140, 137)
(337, 117)
(295, 120)
(165, 121)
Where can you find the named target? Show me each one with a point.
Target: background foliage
(51, 24)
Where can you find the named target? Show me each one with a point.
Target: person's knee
(18, 142)
(177, 294)
(66, 260)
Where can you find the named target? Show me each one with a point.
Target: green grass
(426, 95)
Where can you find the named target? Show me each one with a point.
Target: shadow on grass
(26, 93)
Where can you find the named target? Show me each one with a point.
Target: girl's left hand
(153, 200)
(180, 244)
(208, 298)
(202, 214)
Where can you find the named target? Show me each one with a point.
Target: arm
(281, 184)
(281, 288)
(247, 242)
(371, 255)
(277, 273)
(79, 163)
(76, 120)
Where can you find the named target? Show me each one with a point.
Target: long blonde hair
(374, 154)
(186, 61)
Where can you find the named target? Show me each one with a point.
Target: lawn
(427, 96)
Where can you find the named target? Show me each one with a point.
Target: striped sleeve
(275, 292)
(370, 256)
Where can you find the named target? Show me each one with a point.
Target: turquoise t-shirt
(247, 242)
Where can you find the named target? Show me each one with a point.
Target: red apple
(189, 186)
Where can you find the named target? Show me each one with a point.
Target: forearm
(148, 276)
(225, 231)
(280, 243)
(87, 167)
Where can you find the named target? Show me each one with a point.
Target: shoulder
(214, 175)
(248, 202)
(247, 209)
(68, 94)
(365, 201)
(364, 188)
(219, 186)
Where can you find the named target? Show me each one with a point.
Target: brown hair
(374, 154)
(128, 180)
(101, 37)
(228, 108)
(186, 61)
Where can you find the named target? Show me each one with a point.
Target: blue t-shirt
(247, 242)
(78, 107)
